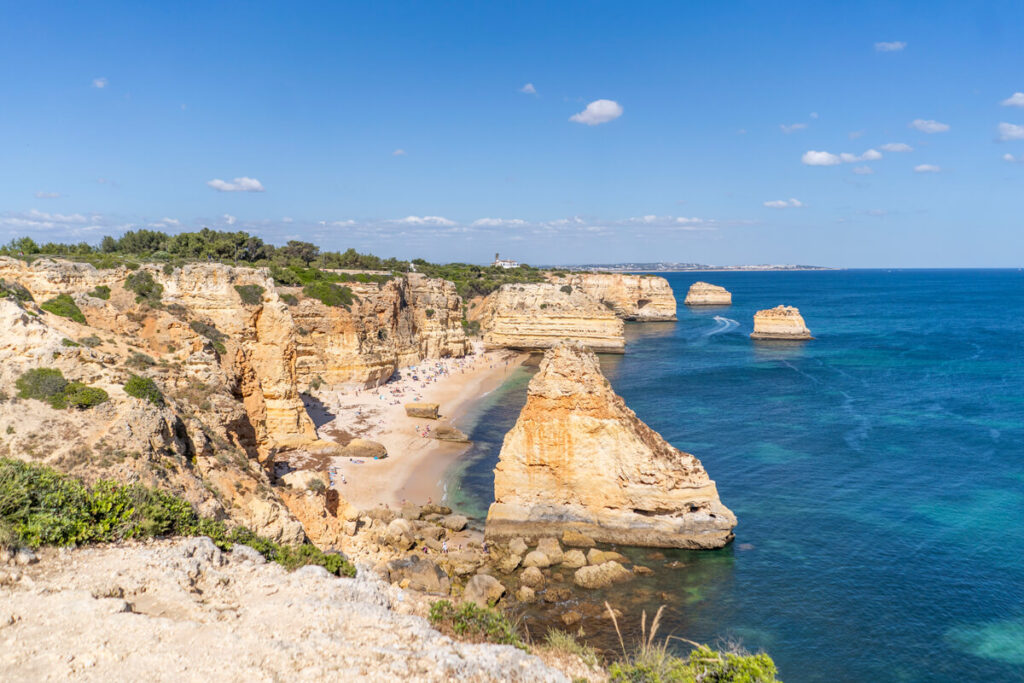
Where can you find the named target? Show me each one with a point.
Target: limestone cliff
(782, 323)
(578, 458)
(705, 294)
(539, 316)
(645, 298)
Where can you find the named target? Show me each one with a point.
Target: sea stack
(578, 459)
(706, 294)
(780, 323)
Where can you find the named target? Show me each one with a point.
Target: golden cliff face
(705, 294)
(392, 325)
(538, 316)
(578, 458)
(644, 298)
(783, 323)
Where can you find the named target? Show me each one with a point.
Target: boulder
(428, 411)
(435, 509)
(419, 574)
(574, 559)
(576, 539)
(411, 511)
(364, 449)
(526, 594)
(517, 546)
(483, 591)
(536, 558)
(601, 576)
(509, 563)
(463, 562)
(532, 577)
(571, 618)
(549, 546)
(399, 534)
(303, 479)
(595, 556)
(446, 432)
(454, 522)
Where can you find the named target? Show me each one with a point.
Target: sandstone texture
(534, 317)
(578, 458)
(183, 610)
(705, 294)
(780, 323)
(644, 298)
(427, 411)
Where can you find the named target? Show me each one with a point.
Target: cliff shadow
(317, 411)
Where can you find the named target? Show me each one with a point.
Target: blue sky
(404, 129)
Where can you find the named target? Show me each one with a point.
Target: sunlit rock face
(705, 294)
(579, 459)
(782, 323)
(643, 298)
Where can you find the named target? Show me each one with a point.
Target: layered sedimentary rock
(579, 459)
(391, 325)
(538, 316)
(782, 323)
(645, 298)
(705, 294)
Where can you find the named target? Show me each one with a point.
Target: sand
(415, 466)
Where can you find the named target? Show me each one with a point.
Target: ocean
(877, 472)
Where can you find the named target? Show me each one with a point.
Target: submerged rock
(705, 294)
(578, 458)
(780, 323)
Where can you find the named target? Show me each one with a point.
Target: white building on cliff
(504, 263)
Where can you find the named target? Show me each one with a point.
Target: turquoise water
(877, 472)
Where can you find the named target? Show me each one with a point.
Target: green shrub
(68, 342)
(64, 306)
(48, 385)
(144, 388)
(251, 295)
(139, 361)
(210, 332)
(147, 290)
(78, 395)
(290, 299)
(329, 294)
(477, 624)
(471, 327)
(566, 288)
(101, 292)
(92, 341)
(430, 312)
(703, 664)
(168, 268)
(14, 291)
(39, 506)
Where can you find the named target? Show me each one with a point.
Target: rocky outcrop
(184, 610)
(644, 298)
(578, 458)
(705, 294)
(782, 323)
(538, 316)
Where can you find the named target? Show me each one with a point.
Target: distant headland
(669, 267)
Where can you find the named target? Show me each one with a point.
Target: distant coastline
(677, 267)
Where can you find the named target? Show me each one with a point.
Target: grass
(147, 290)
(251, 295)
(560, 641)
(144, 388)
(64, 306)
(652, 661)
(475, 624)
(41, 507)
(48, 385)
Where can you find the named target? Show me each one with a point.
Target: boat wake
(722, 324)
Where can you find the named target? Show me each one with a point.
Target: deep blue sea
(877, 472)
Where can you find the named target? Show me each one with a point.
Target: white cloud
(100, 83)
(792, 127)
(528, 89)
(815, 158)
(287, 219)
(929, 126)
(1010, 131)
(1014, 100)
(784, 204)
(398, 152)
(1010, 157)
(897, 147)
(894, 46)
(229, 219)
(871, 155)
(47, 195)
(498, 222)
(863, 170)
(926, 168)
(165, 223)
(242, 184)
(425, 220)
(598, 111)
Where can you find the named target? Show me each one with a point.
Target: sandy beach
(416, 462)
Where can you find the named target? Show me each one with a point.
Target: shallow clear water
(877, 472)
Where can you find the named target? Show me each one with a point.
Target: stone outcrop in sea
(644, 298)
(782, 323)
(534, 317)
(706, 294)
(579, 459)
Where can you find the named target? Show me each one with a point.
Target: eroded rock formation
(645, 298)
(538, 316)
(705, 294)
(578, 458)
(783, 323)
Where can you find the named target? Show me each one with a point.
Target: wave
(722, 324)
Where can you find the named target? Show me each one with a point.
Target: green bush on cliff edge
(40, 506)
